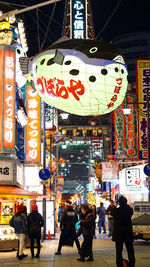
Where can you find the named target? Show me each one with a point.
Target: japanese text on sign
(56, 88)
(33, 126)
(9, 99)
(78, 19)
(143, 86)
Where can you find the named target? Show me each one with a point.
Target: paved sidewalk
(103, 248)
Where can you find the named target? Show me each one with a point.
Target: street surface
(103, 250)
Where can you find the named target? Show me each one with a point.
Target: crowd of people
(76, 221)
(119, 226)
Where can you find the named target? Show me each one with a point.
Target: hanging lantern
(82, 77)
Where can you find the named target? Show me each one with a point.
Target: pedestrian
(67, 226)
(95, 215)
(35, 222)
(109, 212)
(87, 230)
(122, 232)
(101, 211)
(19, 223)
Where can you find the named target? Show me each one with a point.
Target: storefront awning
(16, 192)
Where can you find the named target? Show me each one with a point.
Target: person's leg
(38, 246)
(32, 246)
(22, 241)
(77, 242)
(62, 238)
(90, 249)
(100, 225)
(103, 222)
(119, 248)
(130, 251)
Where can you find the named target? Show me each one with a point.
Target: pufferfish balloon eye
(82, 77)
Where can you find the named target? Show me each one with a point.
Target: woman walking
(87, 230)
(19, 223)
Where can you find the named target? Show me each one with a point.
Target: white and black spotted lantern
(82, 77)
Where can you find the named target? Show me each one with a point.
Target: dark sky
(130, 16)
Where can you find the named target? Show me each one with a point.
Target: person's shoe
(24, 255)
(57, 253)
(20, 257)
(81, 259)
(32, 256)
(90, 259)
(37, 256)
(104, 232)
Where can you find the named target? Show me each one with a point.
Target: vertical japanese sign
(33, 130)
(143, 85)
(7, 98)
(119, 130)
(1, 94)
(78, 11)
(130, 129)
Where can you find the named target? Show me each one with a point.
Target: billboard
(7, 98)
(33, 129)
(78, 11)
(143, 86)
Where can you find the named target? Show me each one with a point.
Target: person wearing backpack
(101, 211)
(19, 223)
(35, 222)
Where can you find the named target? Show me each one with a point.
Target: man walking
(101, 211)
(122, 232)
(67, 226)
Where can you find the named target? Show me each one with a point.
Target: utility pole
(44, 164)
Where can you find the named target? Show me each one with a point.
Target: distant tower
(78, 20)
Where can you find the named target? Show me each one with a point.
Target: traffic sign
(44, 174)
(147, 169)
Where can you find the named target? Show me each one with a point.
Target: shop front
(10, 197)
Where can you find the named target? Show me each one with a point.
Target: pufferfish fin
(59, 57)
(119, 59)
(62, 39)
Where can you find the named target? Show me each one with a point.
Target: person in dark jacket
(101, 211)
(67, 226)
(35, 222)
(109, 212)
(95, 215)
(19, 223)
(122, 232)
(87, 230)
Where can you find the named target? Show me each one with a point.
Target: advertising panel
(33, 130)
(119, 129)
(1, 95)
(143, 86)
(131, 129)
(109, 171)
(78, 10)
(7, 98)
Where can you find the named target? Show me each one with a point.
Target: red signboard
(7, 98)
(1, 95)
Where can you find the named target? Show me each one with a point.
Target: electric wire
(109, 19)
(49, 23)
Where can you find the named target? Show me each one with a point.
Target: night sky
(130, 16)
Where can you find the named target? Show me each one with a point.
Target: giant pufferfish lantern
(82, 77)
